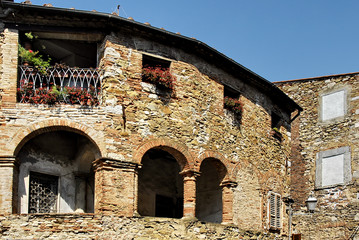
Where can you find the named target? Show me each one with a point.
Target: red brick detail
(189, 195)
(227, 203)
(179, 151)
(26, 134)
(299, 179)
(223, 170)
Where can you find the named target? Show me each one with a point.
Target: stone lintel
(109, 164)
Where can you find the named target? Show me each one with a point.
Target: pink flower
(30, 51)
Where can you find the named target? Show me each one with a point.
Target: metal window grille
(79, 78)
(43, 191)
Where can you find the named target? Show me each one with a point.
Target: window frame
(331, 153)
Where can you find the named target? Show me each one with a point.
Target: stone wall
(336, 215)
(114, 227)
(135, 117)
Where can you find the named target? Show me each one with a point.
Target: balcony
(57, 85)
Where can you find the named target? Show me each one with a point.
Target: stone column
(115, 187)
(189, 193)
(227, 201)
(9, 172)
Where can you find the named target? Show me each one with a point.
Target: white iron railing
(33, 82)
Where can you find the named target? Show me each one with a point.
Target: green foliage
(30, 36)
(33, 58)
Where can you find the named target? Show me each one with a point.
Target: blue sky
(277, 39)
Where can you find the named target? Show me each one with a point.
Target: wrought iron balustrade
(72, 85)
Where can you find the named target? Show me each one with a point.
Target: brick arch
(179, 151)
(24, 135)
(214, 155)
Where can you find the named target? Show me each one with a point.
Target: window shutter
(274, 210)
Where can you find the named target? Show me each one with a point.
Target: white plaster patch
(333, 105)
(116, 109)
(333, 170)
(109, 51)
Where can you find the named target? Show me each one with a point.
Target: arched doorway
(55, 173)
(160, 186)
(209, 205)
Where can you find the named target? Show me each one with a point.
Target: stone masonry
(337, 214)
(135, 118)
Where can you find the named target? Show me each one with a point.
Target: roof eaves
(316, 78)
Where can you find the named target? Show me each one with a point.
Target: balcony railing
(59, 85)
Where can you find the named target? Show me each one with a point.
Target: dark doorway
(160, 186)
(209, 192)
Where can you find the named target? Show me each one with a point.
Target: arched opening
(209, 205)
(55, 173)
(160, 186)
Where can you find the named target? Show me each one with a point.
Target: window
(275, 125)
(43, 193)
(333, 167)
(274, 211)
(232, 103)
(157, 72)
(333, 105)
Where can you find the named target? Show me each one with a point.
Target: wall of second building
(326, 155)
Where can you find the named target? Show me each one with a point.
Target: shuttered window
(274, 210)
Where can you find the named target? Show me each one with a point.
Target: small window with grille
(274, 211)
(43, 193)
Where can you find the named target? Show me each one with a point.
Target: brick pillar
(227, 201)
(9, 50)
(115, 187)
(8, 184)
(189, 193)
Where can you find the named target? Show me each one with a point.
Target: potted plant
(159, 76)
(233, 104)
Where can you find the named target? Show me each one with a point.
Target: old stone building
(325, 155)
(114, 128)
